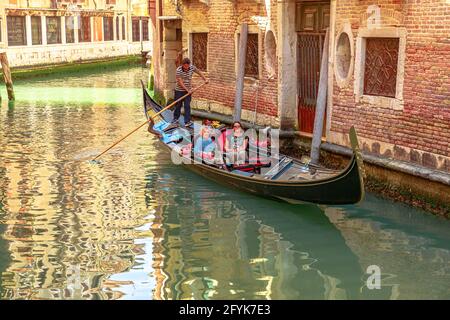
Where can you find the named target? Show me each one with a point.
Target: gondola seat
(243, 173)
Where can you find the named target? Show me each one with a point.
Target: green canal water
(136, 226)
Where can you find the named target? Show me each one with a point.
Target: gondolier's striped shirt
(186, 76)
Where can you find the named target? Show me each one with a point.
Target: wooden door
(312, 20)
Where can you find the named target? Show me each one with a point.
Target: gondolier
(184, 85)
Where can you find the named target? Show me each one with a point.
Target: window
(136, 31)
(108, 28)
(53, 30)
(17, 35)
(84, 29)
(124, 29)
(344, 56)
(36, 30)
(200, 50)
(252, 57)
(70, 29)
(98, 28)
(380, 68)
(145, 29)
(117, 29)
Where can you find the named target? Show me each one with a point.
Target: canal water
(136, 226)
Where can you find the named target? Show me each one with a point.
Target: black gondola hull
(346, 187)
(343, 190)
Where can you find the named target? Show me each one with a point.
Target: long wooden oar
(147, 121)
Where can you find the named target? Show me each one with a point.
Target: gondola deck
(286, 178)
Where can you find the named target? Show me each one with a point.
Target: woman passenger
(236, 144)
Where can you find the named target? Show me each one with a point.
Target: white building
(38, 32)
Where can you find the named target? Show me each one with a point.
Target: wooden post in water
(321, 103)
(240, 72)
(7, 75)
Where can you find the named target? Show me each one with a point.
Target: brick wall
(221, 19)
(420, 132)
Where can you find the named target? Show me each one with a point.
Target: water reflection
(234, 246)
(135, 226)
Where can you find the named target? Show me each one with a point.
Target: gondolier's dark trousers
(187, 106)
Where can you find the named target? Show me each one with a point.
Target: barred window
(108, 28)
(200, 50)
(36, 30)
(70, 29)
(145, 29)
(53, 30)
(136, 30)
(84, 29)
(252, 56)
(380, 69)
(17, 35)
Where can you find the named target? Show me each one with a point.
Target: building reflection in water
(213, 245)
(66, 224)
(218, 244)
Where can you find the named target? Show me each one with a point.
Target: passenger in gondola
(204, 145)
(236, 145)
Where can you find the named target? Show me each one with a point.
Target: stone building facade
(402, 108)
(388, 67)
(35, 32)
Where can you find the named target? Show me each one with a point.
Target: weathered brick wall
(222, 19)
(420, 132)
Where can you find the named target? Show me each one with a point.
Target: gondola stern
(357, 155)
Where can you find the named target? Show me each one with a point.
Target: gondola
(279, 177)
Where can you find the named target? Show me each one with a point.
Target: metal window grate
(380, 71)
(252, 57)
(200, 50)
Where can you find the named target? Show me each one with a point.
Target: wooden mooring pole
(321, 104)
(240, 72)
(7, 75)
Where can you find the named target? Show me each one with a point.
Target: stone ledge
(396, 165)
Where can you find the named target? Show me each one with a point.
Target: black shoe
(189, 124)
